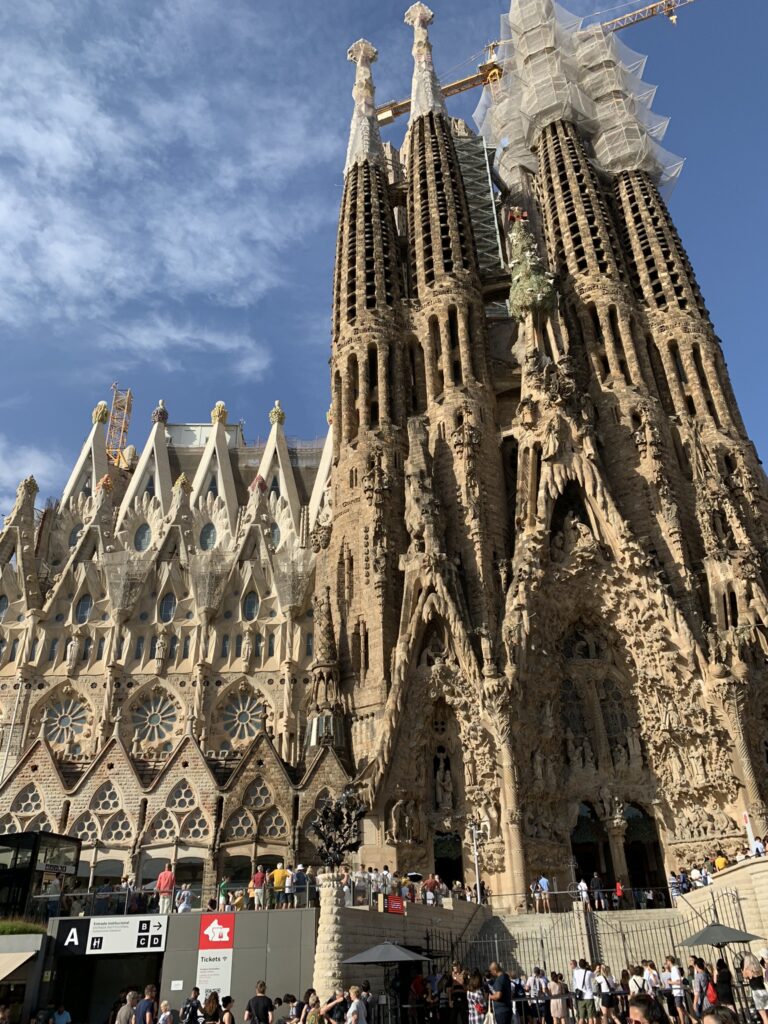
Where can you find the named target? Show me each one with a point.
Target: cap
(300, 867)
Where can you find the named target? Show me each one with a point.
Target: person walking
(227, 1007)
(125, 1014)
(166, 1017)
(477, 999)
(701, 993)
(606, 986)
(164, 886)
(146, 1009)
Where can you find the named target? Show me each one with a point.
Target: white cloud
(166, 344)
(147, 159)
(20, 461)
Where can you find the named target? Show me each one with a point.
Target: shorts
(607, 1001)
(680, 1002)
(585, 1009)
(760, 998)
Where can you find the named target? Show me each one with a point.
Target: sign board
(116, 935)
(57, 869)
(394, 905)
(215, 949)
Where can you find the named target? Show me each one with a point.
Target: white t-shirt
(605, 983)
(358, 1007)
(582, 982)
(676, 981)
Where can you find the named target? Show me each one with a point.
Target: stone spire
(364, 137)
(426, 94)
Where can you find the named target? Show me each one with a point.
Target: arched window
(149, 490)
(143, 537)
(271, 645)
(3, 606)
(74, 534)
(207, 537)
(274, 532)
(83, 609)
(213, 487)
(168, 607)
(250, 606)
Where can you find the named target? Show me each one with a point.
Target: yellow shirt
(279, 875)
(721, 863)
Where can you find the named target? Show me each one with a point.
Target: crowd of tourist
(701, 993)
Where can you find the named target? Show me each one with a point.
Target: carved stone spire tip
(426, 94)
(419, 14)
(362, 52)
(364, 137)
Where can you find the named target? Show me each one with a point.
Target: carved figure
(443, 785)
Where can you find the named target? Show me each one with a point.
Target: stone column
(734, 701)
(617, 829)
(513, 818)
(330, 947)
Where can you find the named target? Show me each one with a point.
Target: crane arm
(490, 72)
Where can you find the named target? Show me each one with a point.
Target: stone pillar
(734, 701)
(330, 947)
(617, 829)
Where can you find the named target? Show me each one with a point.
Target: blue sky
(171, 174)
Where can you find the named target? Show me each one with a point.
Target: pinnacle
(426, 94)
(364, 138)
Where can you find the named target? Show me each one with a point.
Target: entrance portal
(589, 843)
(449, 862)
(643, 850)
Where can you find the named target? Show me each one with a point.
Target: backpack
(711, 992)
(189, 1013)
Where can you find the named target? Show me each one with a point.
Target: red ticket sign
(217, 931)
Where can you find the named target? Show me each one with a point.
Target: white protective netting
(553, 69)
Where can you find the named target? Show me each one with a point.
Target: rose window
(243, 716)
(257, 795)
(28, 800)
(272, 825)
(239, 825)
(7, 825)
(117, 829)
(40, 824)
(181, 797)
(85, 828)
(105, 799)
(156, 718)
(66, 719)
(195, 827)
(163, 827)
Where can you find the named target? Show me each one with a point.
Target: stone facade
(523, 582)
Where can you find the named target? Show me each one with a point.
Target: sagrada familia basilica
(523, 583)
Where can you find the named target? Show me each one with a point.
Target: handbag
(711, 993)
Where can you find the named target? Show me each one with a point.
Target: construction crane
(119, 421)
(489, 73)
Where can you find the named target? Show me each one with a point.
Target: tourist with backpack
(192, 1010)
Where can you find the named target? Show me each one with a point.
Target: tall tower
(359, 564)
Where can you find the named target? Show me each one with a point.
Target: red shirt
(430, 885)
(258, 880)
(166, 882)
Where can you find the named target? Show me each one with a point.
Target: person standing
(166, 1017)
(677, 989)
(278, 879)
(477, 999)
(558, 1006)
(501, 994)
(125, 1014)
(606, 986)
(258, 881)
(227, 1015)
(336, 1007)
(260, 1008)
(212, 1008)
(753, 972)
(701, 981)
(59, 1016)
(164, 886)
(581, 984)
(544, 890)
(724, 984)
(223, 893)
(596, 889)
(192, 1010)
(146, 1010)
(356, 1013)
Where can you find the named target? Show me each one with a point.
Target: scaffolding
(554, 69)
(119, 421)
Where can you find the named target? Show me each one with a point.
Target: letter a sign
(72, 937)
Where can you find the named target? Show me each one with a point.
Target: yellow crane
(119, 421)
(489, 73)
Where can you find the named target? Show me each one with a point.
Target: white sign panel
(127, 934)
(216, 943)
